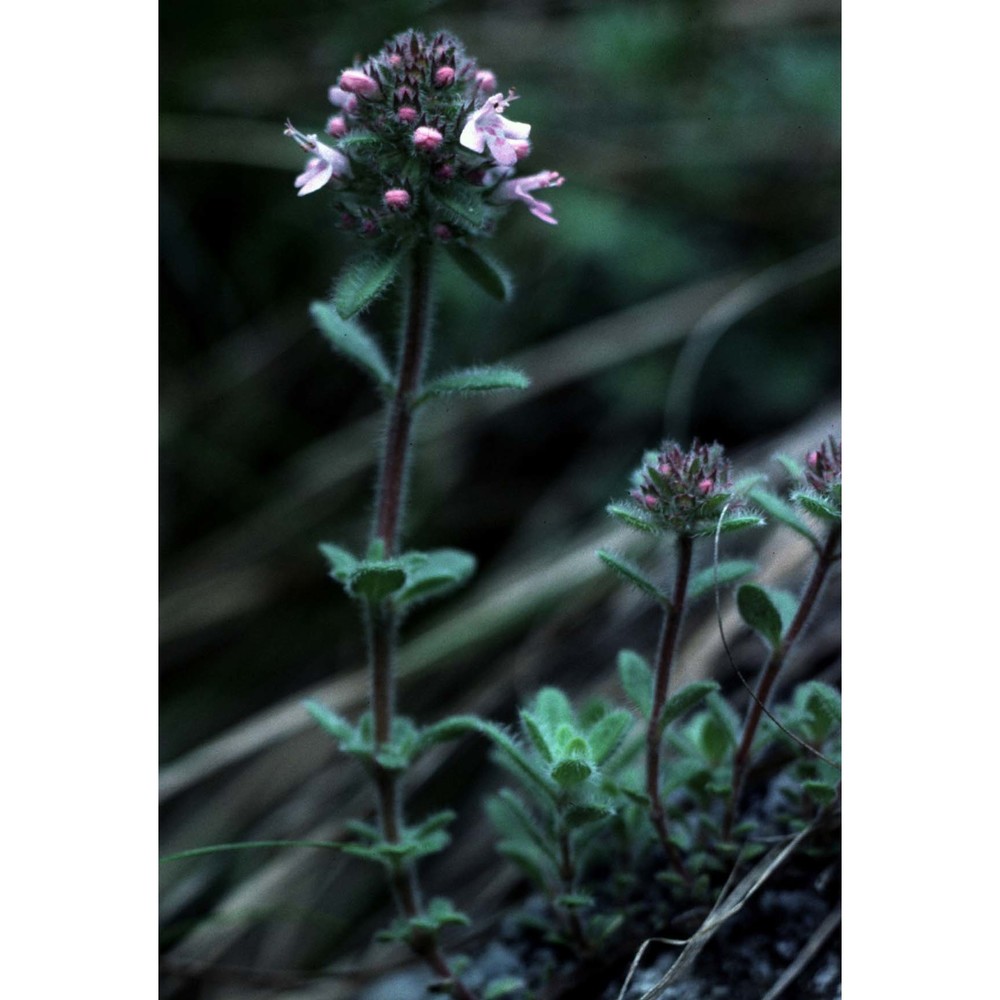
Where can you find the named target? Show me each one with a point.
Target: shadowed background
(691, 286)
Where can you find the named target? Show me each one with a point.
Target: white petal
(471, 137)
(317, 180)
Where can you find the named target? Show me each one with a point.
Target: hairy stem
(567, 873)
(828, 555)
(381, 622)
(661, 681)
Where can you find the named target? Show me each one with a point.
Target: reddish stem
(661, 673)
(828, 555)
(381, 621)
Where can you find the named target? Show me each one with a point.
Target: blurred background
(692, 286)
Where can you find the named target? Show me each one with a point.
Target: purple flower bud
(485, 80)
(397, 198)
(649, 500)
(427, 138)
(336, 126)
(356, 82)
(444, 76)
(442, 232)
(705, 487)
(444, 171)
(406, 114)
(342, 99)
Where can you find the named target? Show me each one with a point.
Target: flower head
(823, 475)
(487, 128)
(325, 162)
(684, 491)
(520, 188)
(416, 118)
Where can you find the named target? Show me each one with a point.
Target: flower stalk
(381, 620)
(827, 557)
(665, 651)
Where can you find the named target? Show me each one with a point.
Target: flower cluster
(823, 474)
(684, 491)
(420, 145)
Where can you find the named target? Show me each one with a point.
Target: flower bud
(486, 81)
(397, 198)
(406, 114)
(442, 232)
(340, 98)
(444, 76)
(356, 82)
(427, 138)
(336, 126)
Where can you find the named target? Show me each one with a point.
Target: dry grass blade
(727, 905)
(808, 952)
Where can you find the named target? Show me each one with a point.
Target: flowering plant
(420, 158)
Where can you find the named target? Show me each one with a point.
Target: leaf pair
(410, 579)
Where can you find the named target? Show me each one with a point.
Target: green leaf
(726, 573)
(374, 581)
(339, 728)
(629, 572)
(483, 269)
(552, 708)
(634, 517)
(820, 791)
(511, 818)
(342, 563)
(504, 986)
(686, 699)
(433, 574)
(606, 736)
(249, 845)
(581, 813)
(530, 725)
(714, 738)
(482, 378)
(637, 680)
(794, 469)
(758, 611)
(574, 900)
(348, 339)
(734, 522)
(463, 211)
(778, 510)
(571, 772)
(362, 281)
(817, 506)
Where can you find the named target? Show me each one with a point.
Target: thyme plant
(419, 159)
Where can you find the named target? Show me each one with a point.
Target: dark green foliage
(637, 680)
(758, 611)
(723, 574)
(491, 276)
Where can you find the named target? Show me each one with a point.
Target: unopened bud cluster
(823, 472)
(419, 145)
(684, 491)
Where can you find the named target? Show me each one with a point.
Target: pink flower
(406, 114)
(325, 163)
(488, 128)
(342, 99)
(519, 189)
(397, 198)
(444, 77)
(485, 80)
(427, 138)
(356, 82)
(336, 126)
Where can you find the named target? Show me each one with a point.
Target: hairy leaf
(433, 574)
(629, 572)
(348, 339)
(482, 378)
(342, 563)
(375, 581)
(363, 281)
(684, 700)
(778, 510)
(758, 611)
(726, 573)
(637, 680)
